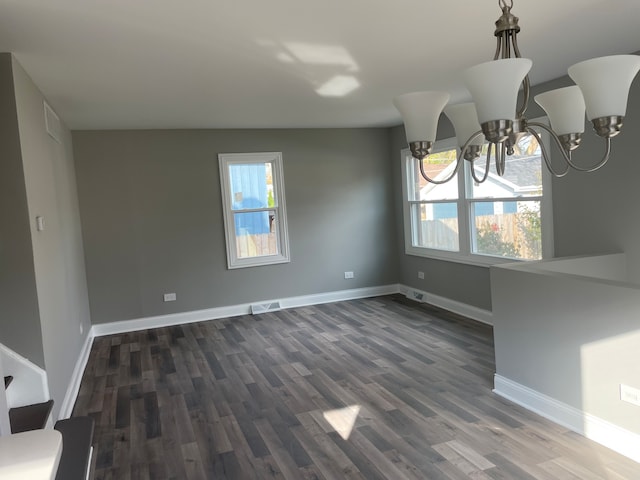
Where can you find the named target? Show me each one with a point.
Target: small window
(255, 219)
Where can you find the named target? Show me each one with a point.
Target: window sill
(468, 259)
(257, 261)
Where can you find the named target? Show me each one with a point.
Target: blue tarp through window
(249, 190)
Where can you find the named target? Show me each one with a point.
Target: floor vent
(52, 123)
(415, 295)
(257, 308)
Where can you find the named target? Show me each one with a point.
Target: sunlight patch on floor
(342, 419)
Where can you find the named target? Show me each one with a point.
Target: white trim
(133, 325)
(24, 373)
(456, 257)
(475, 313)
(66, 409)
(605, 433)
(89, 462)
(5, 425)
(339, 296)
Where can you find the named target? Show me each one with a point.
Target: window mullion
(463, 210)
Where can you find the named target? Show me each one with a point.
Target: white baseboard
(475, 313)
(76, 378)
(605, 433)
(181, 318)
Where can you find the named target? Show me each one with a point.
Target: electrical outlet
(629, 394)
(421, 275)
(348, 274)
(169, 297)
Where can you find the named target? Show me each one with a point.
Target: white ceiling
(283, 63)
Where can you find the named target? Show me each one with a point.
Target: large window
(502, 219)
(255, 218)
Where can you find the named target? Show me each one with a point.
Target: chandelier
(494, 115)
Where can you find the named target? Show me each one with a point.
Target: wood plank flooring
(369, 389)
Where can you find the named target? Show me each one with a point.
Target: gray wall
(58, 255)
(19, 314)
(592, 212)
(152, 217)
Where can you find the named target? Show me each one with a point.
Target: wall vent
(257, 308)
(52, 123)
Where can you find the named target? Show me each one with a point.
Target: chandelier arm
(567, 155)
(496, 56)
(486, 167)
(458, 161)
(503, 158)
(497, 162)
(439, 182)
(506, 45)
(598, 165)
(516, 49)
(500, 159)
(543, 148)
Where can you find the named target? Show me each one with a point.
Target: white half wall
(29, 383)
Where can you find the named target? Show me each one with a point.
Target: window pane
(255, 234)
(438, 166)
(522, 177)
(435, 225)
(507, 229)
(251, 186)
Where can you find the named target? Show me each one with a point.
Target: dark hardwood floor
(370, 389)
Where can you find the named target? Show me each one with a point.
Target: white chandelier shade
(420, 112)
(494, 87)
(605, 83)
(464, 118)
(565, 109)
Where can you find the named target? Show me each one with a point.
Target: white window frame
(464, 204)
(280, 220)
